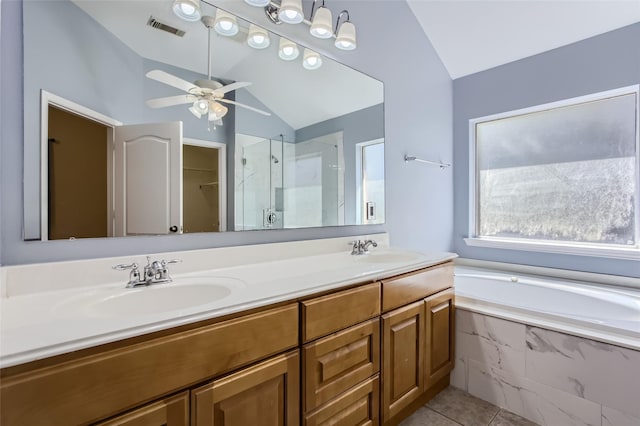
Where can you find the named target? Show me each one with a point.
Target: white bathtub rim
(616, 281)
(602, 333)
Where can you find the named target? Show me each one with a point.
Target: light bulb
(225, 24)
(287, 50)
(311, 60)
(188, 10)
(346, 38)
(258, 37)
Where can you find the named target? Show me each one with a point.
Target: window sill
(631, 253)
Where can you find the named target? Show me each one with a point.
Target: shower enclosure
(282, 184)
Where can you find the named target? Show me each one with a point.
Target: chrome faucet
(361, 247)
(155, 272)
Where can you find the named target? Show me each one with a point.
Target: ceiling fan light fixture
(258, 37)
(288, 50)
(311, 60)
(217, 111)
(321, 25)
(188, 10)
(225, 24)
(291, 11)
(257, 3)
(193, 111)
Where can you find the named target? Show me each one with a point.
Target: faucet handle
(125, 267)
(168, 262)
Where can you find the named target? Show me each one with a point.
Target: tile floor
(454, 407)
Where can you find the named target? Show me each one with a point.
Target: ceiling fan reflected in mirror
(206, 96)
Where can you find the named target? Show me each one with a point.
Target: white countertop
(41, 324)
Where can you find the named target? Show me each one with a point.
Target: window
(559, 177)
(370, 182)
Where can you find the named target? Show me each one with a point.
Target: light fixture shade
(258, 37)
(217, 111)
(321, 25)
(189, 10)
(193, 111)
(291, 11)
(287, 50)
(225, 23)
(311, 60)
(258, 3)
(346, 38)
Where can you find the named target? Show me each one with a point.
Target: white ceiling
(475, 35)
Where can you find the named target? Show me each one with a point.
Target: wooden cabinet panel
(440, 336)
(327, 314)
(335, 363)
(172, 411)
(359, 406)
(407, 288)
(402, 358)
(99, 386)
(266, 394)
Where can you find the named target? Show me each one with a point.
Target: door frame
(46, 99)
(222, 175)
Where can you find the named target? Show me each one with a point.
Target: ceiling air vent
(152, 22)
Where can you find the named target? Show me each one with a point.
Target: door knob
(173, 229)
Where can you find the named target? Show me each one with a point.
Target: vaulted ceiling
(475, 35)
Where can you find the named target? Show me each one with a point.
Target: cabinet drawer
(172, 411)
(413, 286)
(336, 363)
(358, 406)
(327, 314)
(98, 386)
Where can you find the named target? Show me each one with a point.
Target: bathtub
(604, 313)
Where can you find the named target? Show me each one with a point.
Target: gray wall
(418, 121)
(600, 63)
(359, 126)
(253, 124)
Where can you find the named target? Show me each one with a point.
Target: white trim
(608, 251)
(222, 176)
(360, 215)
(581, 249)
(46, 99)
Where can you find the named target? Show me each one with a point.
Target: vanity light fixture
(321, 22)
(188, 10)
(258, 37)
(291, 11)
(287, 50)
(311, 60)
(345, 33)
(225, 23)
(258, 3)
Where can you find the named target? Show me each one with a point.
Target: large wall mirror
(139, 123)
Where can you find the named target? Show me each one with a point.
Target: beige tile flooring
(454, 407)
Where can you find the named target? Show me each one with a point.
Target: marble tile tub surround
(548, 377)
(33, 278)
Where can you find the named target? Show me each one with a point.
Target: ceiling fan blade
(230, 87)
(171, 80)
(259, 111)
(170, 101)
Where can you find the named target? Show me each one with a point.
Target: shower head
(274, 159)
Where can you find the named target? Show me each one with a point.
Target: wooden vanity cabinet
(417, 339)
(340, 371)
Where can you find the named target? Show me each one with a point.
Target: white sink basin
(183, 293)
(387, 257)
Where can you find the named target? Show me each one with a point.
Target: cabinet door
(440, 339)
(356, 407)
(172, 411)
(402, 358)
(266, 394)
